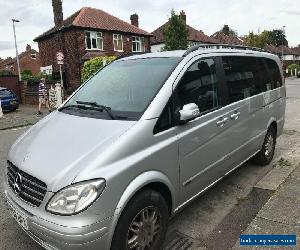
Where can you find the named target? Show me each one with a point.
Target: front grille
(27, 187)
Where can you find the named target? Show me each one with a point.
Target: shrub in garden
(92, 66)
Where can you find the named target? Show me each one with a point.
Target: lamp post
(283, 32)
(17, 54)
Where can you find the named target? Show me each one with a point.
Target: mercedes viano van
(141, 139)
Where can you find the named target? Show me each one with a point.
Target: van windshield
(125, 88)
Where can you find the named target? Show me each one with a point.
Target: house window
(138, 44)
(33, 55)
(118, 42)
(191, 44)
(93, 40)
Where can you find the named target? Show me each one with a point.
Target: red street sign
(60, 58)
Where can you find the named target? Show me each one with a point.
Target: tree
(274, 37)
(92, 66)
(176, 33)
(228, 31)
(277, 38)
(257, 40)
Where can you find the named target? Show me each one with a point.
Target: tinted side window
(276, 80)
(265, 78)
(199, 85)
(242, 77)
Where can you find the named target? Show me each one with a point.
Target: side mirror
(189, 111)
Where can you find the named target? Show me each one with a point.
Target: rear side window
(242, 77)
(274, 72)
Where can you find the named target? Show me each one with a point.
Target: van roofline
(199, 50)
(223, 46)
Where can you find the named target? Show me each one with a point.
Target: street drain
(178, 241)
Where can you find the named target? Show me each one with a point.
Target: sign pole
(1, 112)
(61, 76)
(60, 61)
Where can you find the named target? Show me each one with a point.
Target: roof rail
(222, 46)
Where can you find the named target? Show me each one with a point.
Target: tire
(265, 155)
(144, 221)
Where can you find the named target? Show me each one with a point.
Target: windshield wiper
(71, 106)
(96, 105)
(80, 107)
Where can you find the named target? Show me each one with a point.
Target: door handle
(235, 115)
(221, 122)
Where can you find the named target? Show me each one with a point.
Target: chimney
(28, 48)
(134, 18)
(225, 30)
(183, 16)
(58, 13)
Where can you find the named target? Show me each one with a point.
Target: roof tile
(225, 39)
(88, 17)
(193, 35)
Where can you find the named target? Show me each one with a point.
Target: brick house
(224, 37)
(195, 37)
(290, 55)
(29, 60)
(86, 34)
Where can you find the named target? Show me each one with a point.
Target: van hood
(56, 148)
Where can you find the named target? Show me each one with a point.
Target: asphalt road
(200, 220)
(293, 89)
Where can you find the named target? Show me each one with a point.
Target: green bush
(6, 73)
(34, 79)
(293, 67)
(26, 72)
(92, 66)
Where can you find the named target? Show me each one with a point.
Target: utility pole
(283, 32)
(17, 54)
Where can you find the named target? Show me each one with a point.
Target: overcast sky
(36, 16)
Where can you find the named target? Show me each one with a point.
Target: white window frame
(116, 37)
(140, 42)
(94, 35)
(33, 55)
(193, 43)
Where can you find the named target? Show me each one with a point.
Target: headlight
(75, 198)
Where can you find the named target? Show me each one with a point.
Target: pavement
(251, 200)
(25, 115)
(281, 213)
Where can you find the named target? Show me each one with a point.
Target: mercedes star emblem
(17, 183)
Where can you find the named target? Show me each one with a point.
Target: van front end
(85, 230)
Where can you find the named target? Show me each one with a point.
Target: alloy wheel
(144, 229)
(269, 146)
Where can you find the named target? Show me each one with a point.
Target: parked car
(139, 141)
(9, 100)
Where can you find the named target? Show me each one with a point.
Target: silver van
(141, 139)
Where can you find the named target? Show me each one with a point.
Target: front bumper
(10, 107)
(53, 236)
